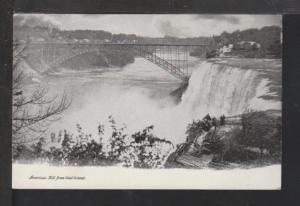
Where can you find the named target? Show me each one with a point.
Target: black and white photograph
(147, 101)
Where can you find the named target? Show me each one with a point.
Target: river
(138, 96)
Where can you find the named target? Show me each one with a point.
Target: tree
(198, 127)
(262, 131)
(146, 150)
(222, 120)
(117, 141)
(32, 113)
(83, 151)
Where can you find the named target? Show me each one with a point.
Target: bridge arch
(54, 54)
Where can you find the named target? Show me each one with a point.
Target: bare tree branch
(32, 113)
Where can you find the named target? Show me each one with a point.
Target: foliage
(211, 54)
(146, 150)
(262, 131)
(258, 137)
(222, 120)
(142, 149)
(198, 127)
(117, 142)
(211, 143)
(38, 148)
(214, 144)
(268, 37)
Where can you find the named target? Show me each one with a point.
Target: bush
(117, 142)
(22, 153)
(146, 150)
(142, 149)
(214, 145)
(211, 54)
(198, 127)
(261, 130)
(258, 138)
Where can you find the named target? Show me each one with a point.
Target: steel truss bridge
(170, 57)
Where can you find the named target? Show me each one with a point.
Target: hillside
(250, 43)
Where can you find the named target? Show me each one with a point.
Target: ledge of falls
(231, 87)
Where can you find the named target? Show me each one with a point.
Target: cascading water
(217, 89)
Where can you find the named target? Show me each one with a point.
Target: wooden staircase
(191, 161)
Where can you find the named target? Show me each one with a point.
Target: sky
(177, 25)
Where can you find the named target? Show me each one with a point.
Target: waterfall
(221, 89)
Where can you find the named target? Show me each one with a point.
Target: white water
(217, 89)
(138, 97)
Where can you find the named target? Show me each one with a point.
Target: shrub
(258, 137)
(261, 130)
(38, 148)
(142, 149)
(212, 54)
(22, 153)
(214, 144)
(146, 150)
(198, 127)
(117, 142)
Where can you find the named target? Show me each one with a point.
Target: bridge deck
(173, 58)
(113, 44)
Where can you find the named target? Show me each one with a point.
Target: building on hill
(247, 45)
(225, 50)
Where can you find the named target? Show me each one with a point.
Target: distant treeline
(42, 34)
(37, 29)
(267, 42)
(266, 36)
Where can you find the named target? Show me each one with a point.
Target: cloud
(33, 20)
(224, 18)
(167, 29)
(176, 25)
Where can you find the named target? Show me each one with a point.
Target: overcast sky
(161, 25)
